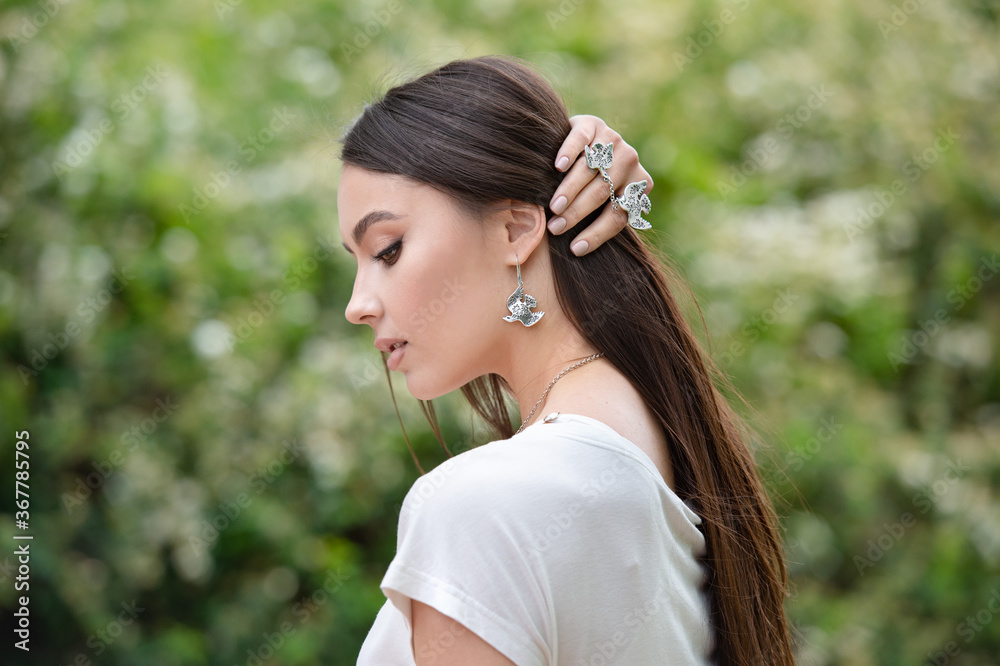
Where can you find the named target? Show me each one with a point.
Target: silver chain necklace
(557, 377)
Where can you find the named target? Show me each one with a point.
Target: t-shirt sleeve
(463, 548)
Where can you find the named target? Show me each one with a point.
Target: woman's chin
(418, 389)
(422, 391)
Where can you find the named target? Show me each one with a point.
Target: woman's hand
(583, 190)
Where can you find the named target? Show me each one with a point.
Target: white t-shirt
(561, 546)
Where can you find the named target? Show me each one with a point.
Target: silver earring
(520, 304)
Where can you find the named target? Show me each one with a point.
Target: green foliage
(825, 174)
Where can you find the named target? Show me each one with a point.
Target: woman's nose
(362, 304)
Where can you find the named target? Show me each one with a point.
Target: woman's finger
(626, 167)
(584, 129)
(607, 224)
(578, 173)
(594, 195)
(578, 177)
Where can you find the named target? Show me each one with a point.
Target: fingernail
(559, 205)
(562, 163)
(579, 247)
(557, 224)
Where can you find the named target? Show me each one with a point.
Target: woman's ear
(525, 227)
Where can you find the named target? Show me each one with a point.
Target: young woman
(624, 521)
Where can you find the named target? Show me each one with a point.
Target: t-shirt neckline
(629, 444)
(632, 446)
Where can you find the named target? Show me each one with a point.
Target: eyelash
(394, 248)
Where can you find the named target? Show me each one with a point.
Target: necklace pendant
(554, 415)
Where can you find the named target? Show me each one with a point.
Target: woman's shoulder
(546, 467)
(500, 473)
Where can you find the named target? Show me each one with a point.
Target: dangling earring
(520, 304)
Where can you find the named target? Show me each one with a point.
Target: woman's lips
(396, 357)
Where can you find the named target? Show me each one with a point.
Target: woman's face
(436, 283)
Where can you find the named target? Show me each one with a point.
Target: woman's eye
(388, 255)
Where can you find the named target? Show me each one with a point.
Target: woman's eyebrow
(366, 222)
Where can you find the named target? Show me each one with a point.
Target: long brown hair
(488, 129)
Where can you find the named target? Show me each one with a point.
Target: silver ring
(634, 201)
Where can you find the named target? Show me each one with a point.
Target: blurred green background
(216, 465)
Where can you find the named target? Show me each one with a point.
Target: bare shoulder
(443, 641)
